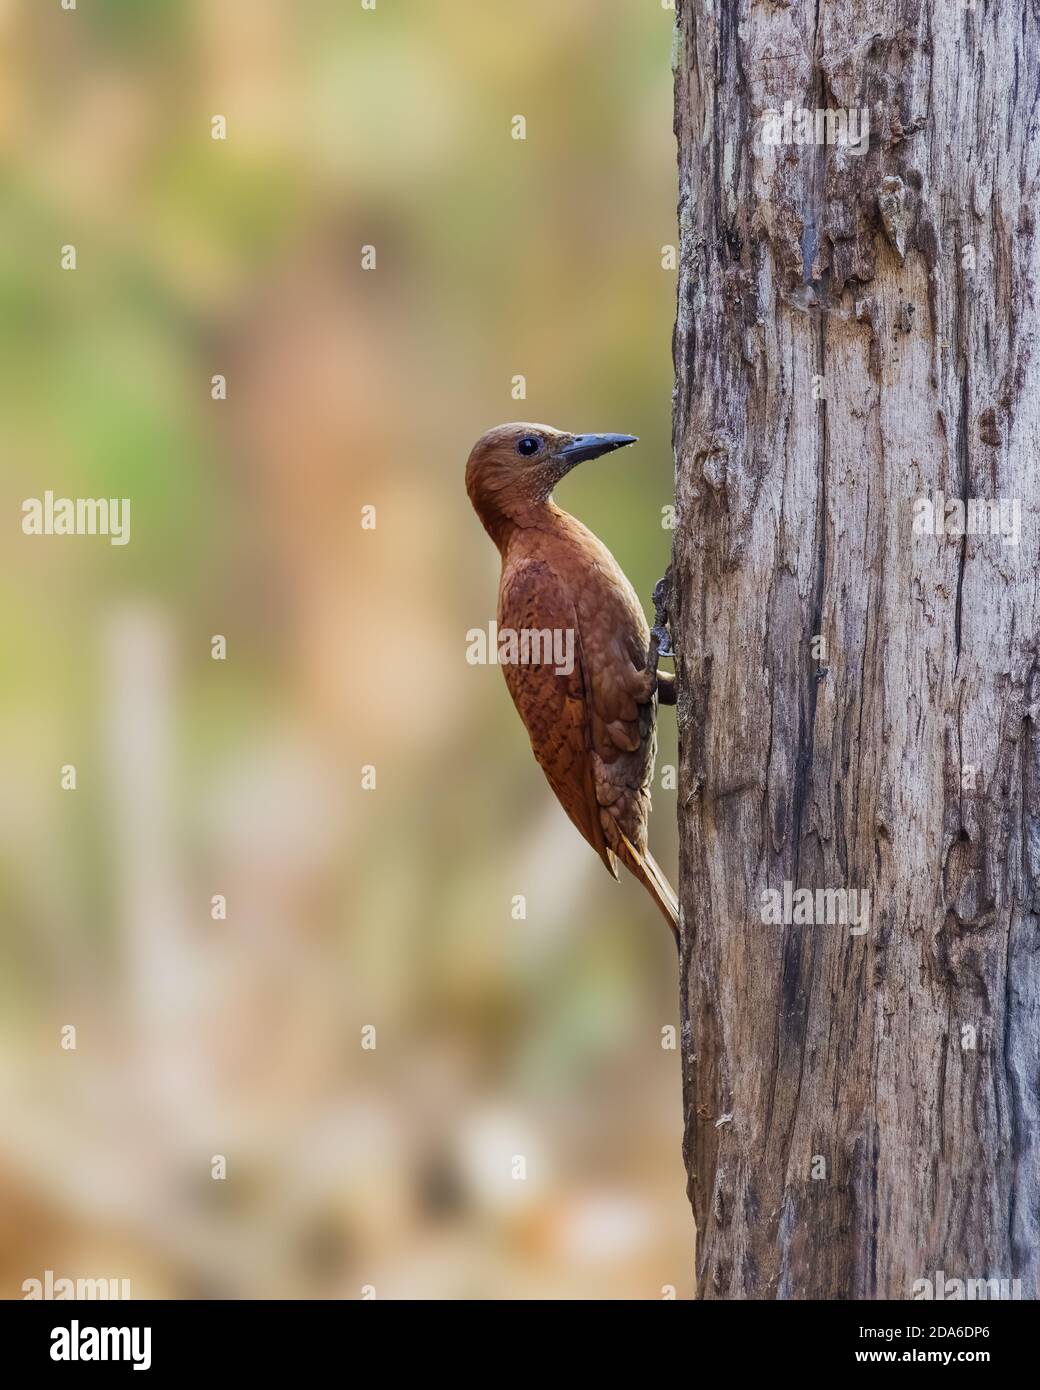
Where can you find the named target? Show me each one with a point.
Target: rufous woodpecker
(593, 728)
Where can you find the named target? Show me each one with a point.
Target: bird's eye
(528, 445)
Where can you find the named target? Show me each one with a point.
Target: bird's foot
(664, 641)
(660, 637)
(661, 640)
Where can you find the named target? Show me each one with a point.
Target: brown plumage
(592, 728)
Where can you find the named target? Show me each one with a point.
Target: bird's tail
(649, 873)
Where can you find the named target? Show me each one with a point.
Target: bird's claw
(664, 641)
(662, 598)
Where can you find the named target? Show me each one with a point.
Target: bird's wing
(554, 704)
(622, 709)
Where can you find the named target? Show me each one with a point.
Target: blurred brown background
(542, 1038)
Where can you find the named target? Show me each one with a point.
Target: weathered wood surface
(906, 760)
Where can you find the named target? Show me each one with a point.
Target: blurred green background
(389, 1168)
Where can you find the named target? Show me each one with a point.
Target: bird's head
(514, 468)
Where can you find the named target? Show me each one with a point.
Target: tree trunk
(861, 1108)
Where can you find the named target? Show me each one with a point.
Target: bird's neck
(503, 517)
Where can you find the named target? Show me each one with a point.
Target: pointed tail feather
(649, 873)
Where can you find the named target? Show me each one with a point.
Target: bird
(592, 727)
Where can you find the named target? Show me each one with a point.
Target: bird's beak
(590, 446)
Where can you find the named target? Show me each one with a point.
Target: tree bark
(861, 1109)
